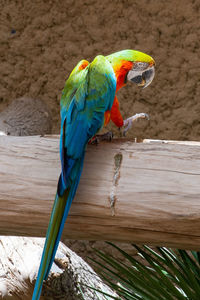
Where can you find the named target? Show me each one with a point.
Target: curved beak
(147, 77)
(142, 77)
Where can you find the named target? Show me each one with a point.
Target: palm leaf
(163, 274)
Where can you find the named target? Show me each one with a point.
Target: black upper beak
(148, 76)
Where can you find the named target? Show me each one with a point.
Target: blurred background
(41, 42)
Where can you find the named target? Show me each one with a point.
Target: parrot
(88, 103)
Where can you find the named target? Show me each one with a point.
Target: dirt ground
(41, 41)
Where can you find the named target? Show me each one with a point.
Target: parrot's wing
(92, 91)
(72, 101)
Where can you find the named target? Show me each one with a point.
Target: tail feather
(59, 214)
(51, 243)
(57, 229)
(63, 217)
(69, 194)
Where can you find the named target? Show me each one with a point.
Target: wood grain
(132, 192)
(19, 263)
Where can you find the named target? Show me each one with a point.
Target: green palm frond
(159, 274)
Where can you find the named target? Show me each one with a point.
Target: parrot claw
(128, 123)
(108, 136)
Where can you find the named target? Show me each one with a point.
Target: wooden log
(130, 192)
(19, 262)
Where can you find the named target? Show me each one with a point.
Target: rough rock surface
(26, 116)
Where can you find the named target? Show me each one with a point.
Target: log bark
(130, 192)
(19, 262)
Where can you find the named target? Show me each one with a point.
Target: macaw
(88, 103)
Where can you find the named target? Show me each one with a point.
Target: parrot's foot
(128, 123)
(108, 136)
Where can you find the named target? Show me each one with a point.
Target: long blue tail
(59, 214)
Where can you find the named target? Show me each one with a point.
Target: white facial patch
(134, 73)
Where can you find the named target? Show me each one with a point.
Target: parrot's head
(134, 66)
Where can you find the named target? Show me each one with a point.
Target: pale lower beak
(142, 83)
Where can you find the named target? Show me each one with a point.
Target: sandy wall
(41, 41)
